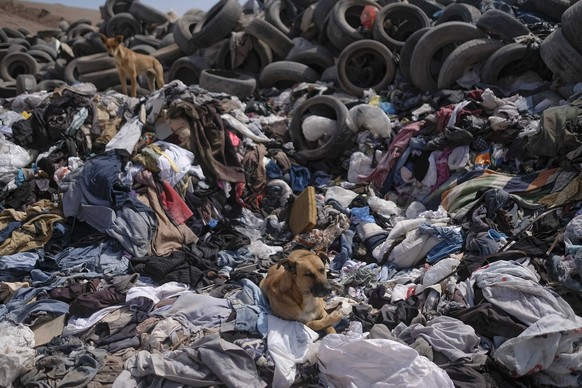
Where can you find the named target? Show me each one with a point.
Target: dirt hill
(38, 16)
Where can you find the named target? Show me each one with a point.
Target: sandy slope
(30, 15)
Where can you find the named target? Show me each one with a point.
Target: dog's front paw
(335, 317)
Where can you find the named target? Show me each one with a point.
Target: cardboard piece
(303, 216)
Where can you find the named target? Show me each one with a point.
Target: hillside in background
(38, 16)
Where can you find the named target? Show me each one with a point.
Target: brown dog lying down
(295, 288)
(129, 63)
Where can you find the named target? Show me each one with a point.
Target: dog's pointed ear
(289, 265)
(119, 38)
(323, 257)
(103, 37)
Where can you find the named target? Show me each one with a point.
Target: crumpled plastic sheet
(16, 352)
(354, 361)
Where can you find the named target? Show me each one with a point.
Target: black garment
(180, 266)
(49, 123)
(467, 377)
(226, 237)
(70, 292)
(451, 138)
(376, 296)
(126, 337)
(392, 314)
(87, 304)
(364, 314)
(25, 194)
(489, 320)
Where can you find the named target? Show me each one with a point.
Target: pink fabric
(174, 204)
(442, 117)
(395, 150)
(442, 166)
(444, 114)
(234, 139)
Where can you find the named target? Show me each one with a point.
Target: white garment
(459, 158)
(412, 249)
(431, 176)
(355, 362)
(244, 130)
(360, 165)
(404, 227)
(79, 325)
(174, 163)
(516, 290)
(156, 294)
(289, 343)
(16, 352)
(343, 196)
(127, 137)
(450, 336)
(166, 333)
(548, 347)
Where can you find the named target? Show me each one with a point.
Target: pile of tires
(562, 49)
(431, 44)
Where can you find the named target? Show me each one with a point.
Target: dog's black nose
(321, 289)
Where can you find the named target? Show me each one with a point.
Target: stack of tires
(432, 44)
(23, 53)
(562, 49)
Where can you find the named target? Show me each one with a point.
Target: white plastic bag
(383, 207)
(343, 196)
(360, 165)
(12, 155)
(414, 209)
(315, 127)
(353, 361)
(371, 118)
(16, 352)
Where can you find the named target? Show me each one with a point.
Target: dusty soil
(38, 16)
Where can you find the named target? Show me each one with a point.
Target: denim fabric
(15, 267)
(71, 257)
(28, 314)
(51, 280)
(361, 214)
(387, 272)
(346, 250)
(273, 171)
(95, 194)
(199, 309)
(7, 231)
(300, 178)
(321, 179)
(112, 260)
(247, 317)
(228, 260)
(452, 241)
(442, 250)
(259, 300)
(106, 257)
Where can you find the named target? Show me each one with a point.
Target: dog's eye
(322, 270)
(310, 274)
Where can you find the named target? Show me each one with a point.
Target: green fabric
(554, 137)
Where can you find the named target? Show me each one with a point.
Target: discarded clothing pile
(134, 233)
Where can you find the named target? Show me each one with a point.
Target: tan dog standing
(129, 63)
(295, 288)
